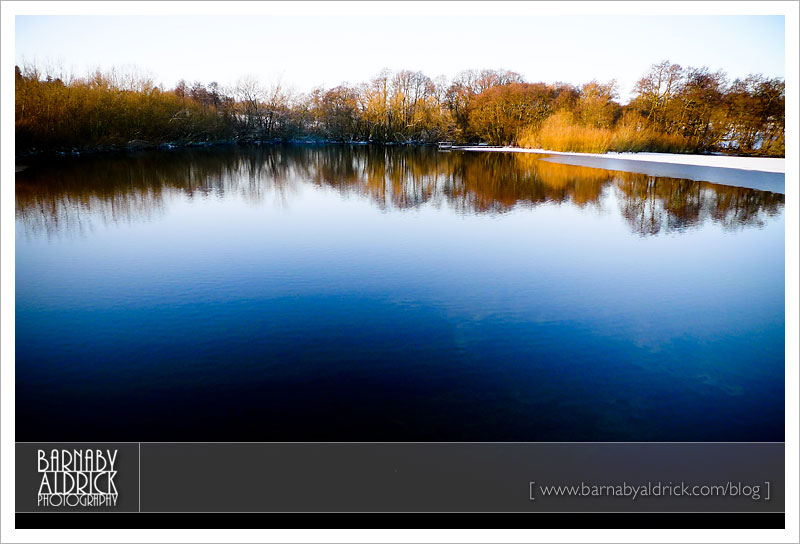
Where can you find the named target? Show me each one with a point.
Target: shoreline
(761, 173)
(139, 146)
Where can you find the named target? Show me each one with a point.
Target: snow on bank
(762, 164)
(763, 173)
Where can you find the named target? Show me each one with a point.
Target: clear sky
(305, 51)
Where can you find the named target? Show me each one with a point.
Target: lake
(367, 293)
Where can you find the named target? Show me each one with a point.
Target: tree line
(673, 109)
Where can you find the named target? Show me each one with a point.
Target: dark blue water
(347, 294)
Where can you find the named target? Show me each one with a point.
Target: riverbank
(762, 173)
(141, 145)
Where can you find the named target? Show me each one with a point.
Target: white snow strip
(760, 164)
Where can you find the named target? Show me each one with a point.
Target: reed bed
(560, 132)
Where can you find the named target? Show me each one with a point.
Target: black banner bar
(411, 478)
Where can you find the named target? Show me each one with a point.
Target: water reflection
(65, 197)
(499, 297)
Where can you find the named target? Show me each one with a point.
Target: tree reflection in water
(65, 196)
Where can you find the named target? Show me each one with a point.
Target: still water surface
(368, 293)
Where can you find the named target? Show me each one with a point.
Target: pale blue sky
(309, 51)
